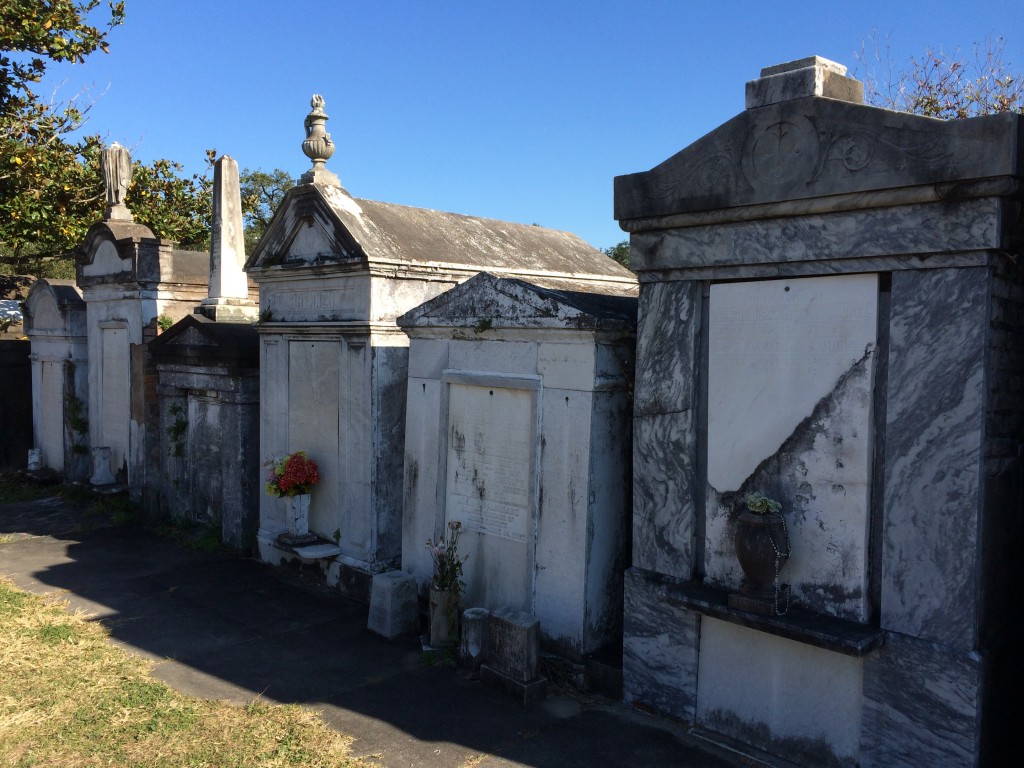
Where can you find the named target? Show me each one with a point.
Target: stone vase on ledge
(762, 548)
(443, 616)
(298, 514)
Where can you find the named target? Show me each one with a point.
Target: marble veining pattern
(912, 229)
(933, 460)
(664, 450)
(659, 654)
(921, 706)
(669, 321)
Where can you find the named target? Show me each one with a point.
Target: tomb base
(525, 693)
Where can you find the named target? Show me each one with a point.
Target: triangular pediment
(815, 147)
(201, 337)
(306, 230)
(191, 337)
(485, 302)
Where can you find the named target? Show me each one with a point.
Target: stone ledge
(838, 635)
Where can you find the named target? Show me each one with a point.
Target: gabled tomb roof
(487, 302)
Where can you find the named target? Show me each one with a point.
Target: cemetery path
(223, 627)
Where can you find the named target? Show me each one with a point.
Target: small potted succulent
(762, 548)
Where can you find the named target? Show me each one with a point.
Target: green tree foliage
(619, 253)
(46, 180)
(948, 86)
(262, 193)
(51, 190)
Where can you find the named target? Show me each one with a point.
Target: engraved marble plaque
(489, 489)
(489, 456)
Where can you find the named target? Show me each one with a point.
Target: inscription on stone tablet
(490, 454)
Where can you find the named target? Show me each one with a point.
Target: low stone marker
(393, 609)
(513, 639)
(473, 648)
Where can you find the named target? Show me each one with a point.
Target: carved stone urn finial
(318, 146)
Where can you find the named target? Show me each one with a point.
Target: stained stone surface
(921, 705)
(750, 684)
(891, 234)
(518, 428)
(664, 428)
(659, 650)
(934, 432)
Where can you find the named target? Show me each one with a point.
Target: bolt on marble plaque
(791, 369)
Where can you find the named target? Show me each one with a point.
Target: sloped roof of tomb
(113, 231)
(486, 301)
(792, 147)
(198, 338)
(51, 305)
(322, 224)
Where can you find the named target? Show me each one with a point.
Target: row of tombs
(827, 309)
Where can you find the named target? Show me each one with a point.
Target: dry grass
(69, 698)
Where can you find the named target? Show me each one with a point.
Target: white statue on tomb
(116, 167)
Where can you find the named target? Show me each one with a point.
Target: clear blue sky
(513, 110)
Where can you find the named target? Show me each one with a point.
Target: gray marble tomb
(830, 314)
(334, 273)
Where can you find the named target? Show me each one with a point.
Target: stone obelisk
(229, 286)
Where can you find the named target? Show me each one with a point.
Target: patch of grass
(70, 698)
(13, 490)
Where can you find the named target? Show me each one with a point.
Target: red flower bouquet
(294, 474)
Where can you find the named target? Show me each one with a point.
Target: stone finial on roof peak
(811, 76)
(318, 146)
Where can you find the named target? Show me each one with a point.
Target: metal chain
(779, 555)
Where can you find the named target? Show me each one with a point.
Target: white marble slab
(775, 349)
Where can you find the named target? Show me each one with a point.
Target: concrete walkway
(222, 627)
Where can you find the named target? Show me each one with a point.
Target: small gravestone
(393, 607)
(101, 474)
(513, 639)
(473, 648)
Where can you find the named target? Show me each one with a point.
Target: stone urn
(443, 616)
(762, 548)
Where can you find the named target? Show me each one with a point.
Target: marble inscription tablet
(776, 348)
(489, 457)
(791, 376)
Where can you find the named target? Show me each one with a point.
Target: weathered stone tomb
(334, 273)
(55, 324)
(517, 426)
(831, 315)
(207, 366)
(128, 278)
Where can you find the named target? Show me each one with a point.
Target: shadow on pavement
(223, 627)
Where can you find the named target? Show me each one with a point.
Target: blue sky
(522, 111)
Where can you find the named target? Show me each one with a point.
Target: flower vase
(298, 514)
(443, 617)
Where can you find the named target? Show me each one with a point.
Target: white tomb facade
(517, 426)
